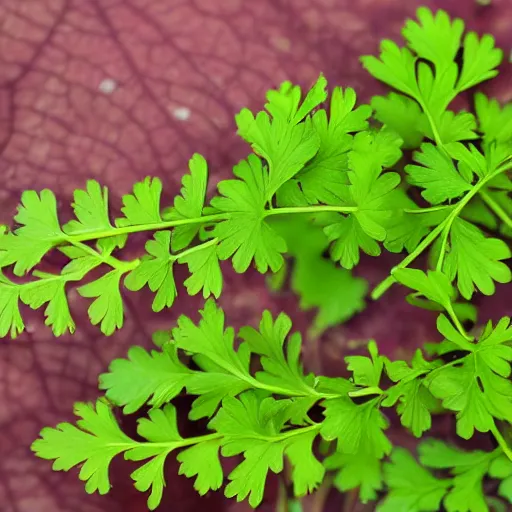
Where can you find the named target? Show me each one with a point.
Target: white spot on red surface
(108, 86)
(181, 113)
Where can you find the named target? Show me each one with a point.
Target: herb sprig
(334, 173)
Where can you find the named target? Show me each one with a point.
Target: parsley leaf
(478, 389)
(323, 178)
(403, 116)
(246, 235)
(468, 468)
(279, 370)
(286, 143)
(437, 175)
(371, 194)
(361, 470)
(143, 205)
(107, 307)
(156, 270)
(10, 317)
(145, 377)
(91, 210)
(226, 370)
(205, 270)
(415, 400)
(411, 487)
(94, 442)
(160, 428)
(189, 205)
(476, 260)
(252, 426)
(39, 232)
(50, 289)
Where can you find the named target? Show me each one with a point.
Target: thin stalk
(501, 441)
(382, 287)
(496, 208)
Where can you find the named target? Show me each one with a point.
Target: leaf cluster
(326, 182)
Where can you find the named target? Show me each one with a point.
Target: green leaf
(403, 116)
(501, 468)
(495, 121)
(92, 443)
(143, 205)
(361, 470)
(371, 192)
(161, 428)
(411, 487)
(50, 289)
(415, 401)
(478, 389)
(226, 370)
(366, 371)
(285, 142)
(245, 235)
(252, 426)
(206, 275)
(323, 178)
(202, 461)
(189, 205)
(39, 232)
(152, 378)
(430, 74)
(91, 210)
(156, 271)
(435, 286)
(279, 370)
(107, 308)
(349, 239)
(357, 428)
(480, 60)
(10, 318)
(437, 175)
(476, 260)
(468, 468)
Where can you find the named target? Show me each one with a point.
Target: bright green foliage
(189, 205)
(320, 188)
(107, 307)
(319, 282)
(476, 260)
(155, 270)
(478, 389)
(323, 178)
(282, 139)
(370, 192)
(437, 175)
(414, 399)
(245, 235)
(143, 206)
(413, 487)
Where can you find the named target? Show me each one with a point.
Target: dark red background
(58, 129)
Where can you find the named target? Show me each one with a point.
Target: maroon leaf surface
(118, 89)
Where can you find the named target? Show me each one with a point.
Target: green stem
(501, 441)
(496, 208)
(194, 249)
(429, 210)
(166, 224)
(372, 390)
(310, 209)
(124, 266)
(382, 287)
(457, 323)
